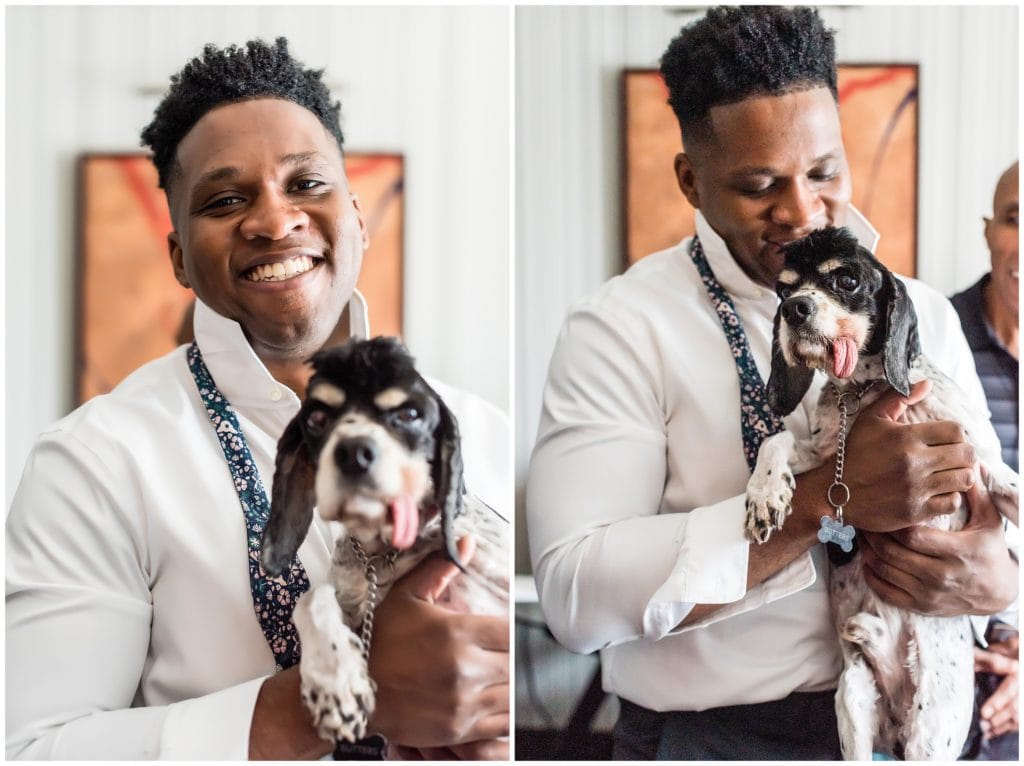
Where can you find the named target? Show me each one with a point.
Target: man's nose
(272, 216)
(800, 207)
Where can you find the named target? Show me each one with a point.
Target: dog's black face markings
(829, 262)
(364, 397)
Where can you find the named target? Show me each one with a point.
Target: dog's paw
(340, 711)
(769, 502)
(770, 488)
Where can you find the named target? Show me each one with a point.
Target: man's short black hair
(229, 75)
(738, 52)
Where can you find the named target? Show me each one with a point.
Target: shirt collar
(238, 372)
(735, 280)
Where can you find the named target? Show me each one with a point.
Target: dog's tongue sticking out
(844, 357)
(405, 518)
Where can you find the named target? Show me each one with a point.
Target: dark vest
(999, 372)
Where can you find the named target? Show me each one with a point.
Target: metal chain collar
(369, 564)
(843, 400)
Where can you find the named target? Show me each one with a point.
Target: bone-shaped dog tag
(372, 748)
(838, 534)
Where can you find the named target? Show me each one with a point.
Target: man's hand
(945, 573)
(282, 728)
(902, 474)
(442, 677)
(1000, 713)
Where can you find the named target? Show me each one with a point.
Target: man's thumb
(991, 662)
(432, 576)
(892, 405)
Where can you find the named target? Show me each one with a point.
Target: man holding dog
(716, 648)
(131, 595)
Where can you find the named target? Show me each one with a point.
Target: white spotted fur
(907, 678)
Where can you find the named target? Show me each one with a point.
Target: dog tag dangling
(834, 531)
(372, 748)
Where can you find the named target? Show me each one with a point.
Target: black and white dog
(907, 686)
(376, 449)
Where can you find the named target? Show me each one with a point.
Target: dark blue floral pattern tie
(273, 598)
(757, 419)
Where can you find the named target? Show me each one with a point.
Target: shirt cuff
(212, 727)
(712, 569)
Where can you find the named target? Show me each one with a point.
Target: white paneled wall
(432, 83)
(568, 195)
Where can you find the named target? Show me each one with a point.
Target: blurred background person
(989, 314)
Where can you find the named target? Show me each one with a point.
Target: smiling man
(655, 408)
(139, 622)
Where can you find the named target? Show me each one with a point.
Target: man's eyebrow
(764, 170)
(218, 174)
(230, 171)
(299, 158)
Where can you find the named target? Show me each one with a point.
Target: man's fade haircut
(738, 52)
(229, 75)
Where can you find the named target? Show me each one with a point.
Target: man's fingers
(491, 727)
(1003, 702)
(483, 750)
(937, 433)
(892, 406)
(486, 631)
(983, 511)
(429, 579)
(887, 592)
(993, 662)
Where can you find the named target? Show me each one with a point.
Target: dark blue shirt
(998, 370)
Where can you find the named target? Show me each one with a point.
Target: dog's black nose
(797, 309)
(354, 456)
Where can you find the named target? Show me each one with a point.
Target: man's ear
(177, 258)
(362, 223)
(687, 180)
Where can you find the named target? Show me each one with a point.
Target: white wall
(432, 83)
(568, 196)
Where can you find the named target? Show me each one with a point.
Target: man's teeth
(276, 272)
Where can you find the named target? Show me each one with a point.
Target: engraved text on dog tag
(370, 748)
(834, 532)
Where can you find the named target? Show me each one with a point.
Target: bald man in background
(989, 314)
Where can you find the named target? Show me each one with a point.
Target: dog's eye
(847, 282)
(784, 291)
(315, 422)
(407, 414)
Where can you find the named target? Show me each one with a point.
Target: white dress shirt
(131, 632)
(635, 497)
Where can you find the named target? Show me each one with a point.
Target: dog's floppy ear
(291, 509)
(446, 474)
(899, 326)
(787, 384)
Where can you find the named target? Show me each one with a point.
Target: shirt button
(275, 395)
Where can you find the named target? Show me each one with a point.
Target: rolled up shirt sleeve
(79, 611)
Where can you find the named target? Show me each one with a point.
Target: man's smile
(281, 270)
